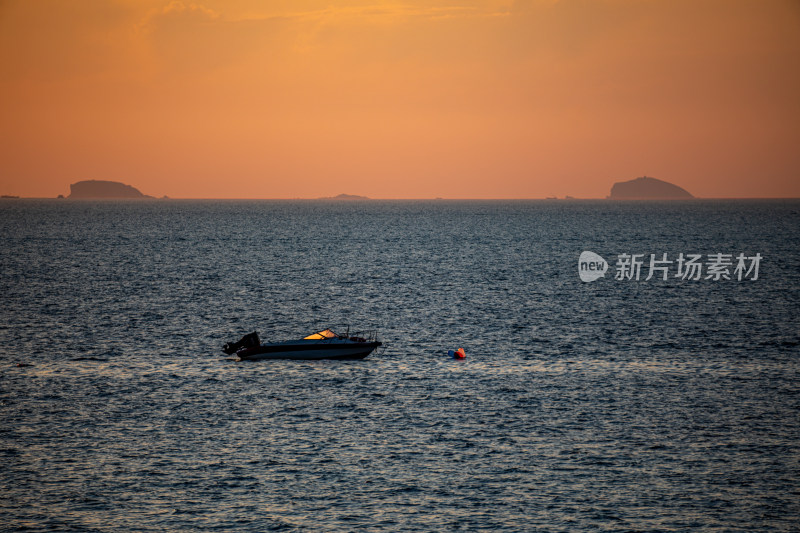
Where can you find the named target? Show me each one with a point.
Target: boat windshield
(325, 334)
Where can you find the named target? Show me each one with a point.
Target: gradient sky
(400, 99)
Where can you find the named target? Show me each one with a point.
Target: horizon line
(368, 199)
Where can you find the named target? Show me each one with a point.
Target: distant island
(103, 189)
(345, 197)
(646, 188)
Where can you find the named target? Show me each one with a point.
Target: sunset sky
(400, 99)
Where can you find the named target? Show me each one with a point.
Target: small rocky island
(646, 188)
(345, 197)
(103, 189)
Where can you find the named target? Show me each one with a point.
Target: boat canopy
(325, 334)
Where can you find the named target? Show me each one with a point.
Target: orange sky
(400, 99)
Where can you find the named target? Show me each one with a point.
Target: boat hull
(351, 350)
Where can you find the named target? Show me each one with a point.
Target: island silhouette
(103, 189)
(646, 188)
(344, 196)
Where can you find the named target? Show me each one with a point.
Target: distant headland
(103, 189)
(345, 197)
(646, 188)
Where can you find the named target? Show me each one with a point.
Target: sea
(629, 402)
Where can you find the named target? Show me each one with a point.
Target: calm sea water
(617, 405)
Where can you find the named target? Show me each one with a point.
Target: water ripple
(579, 407)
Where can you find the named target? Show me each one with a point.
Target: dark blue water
(617, 405)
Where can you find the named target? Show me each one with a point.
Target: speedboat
(325, 344)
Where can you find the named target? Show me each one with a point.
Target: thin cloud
(177, 10)
(383, 12)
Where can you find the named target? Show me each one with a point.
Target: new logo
(591, 266)
(691, 267)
